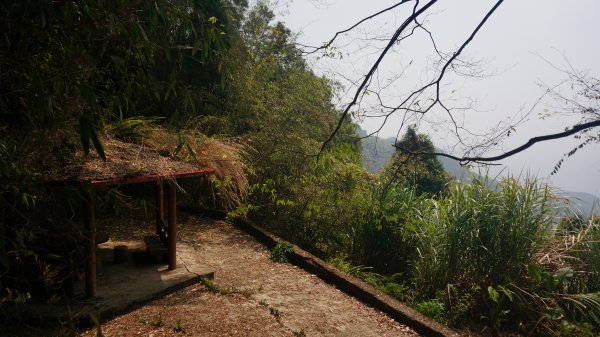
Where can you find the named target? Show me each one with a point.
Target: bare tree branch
(328, 44)
(431, 92)
(435, 83)
(367, 78)
(465, 160)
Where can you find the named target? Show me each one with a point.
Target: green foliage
(87, 133)
(178, 327)
(551, 283)
(390, 228)
(569, 329)
(496, 313)
(490, 236)
(549, 295)
(451, 306)
(424, 172)
(215, 288)
(16, 297)
(75, 65)
(284, 111)
(387, 284)
(590, 256)
(212, 286)
(275, 313)
(481, 235)
(156, 321)
(582, 238)
(281, 252)
(459, 303)
(97, 326)
(331, 204)
(344, 265)
(95, 59)
(454, 252)
(432, 308)
(133, 128)
(300, 333)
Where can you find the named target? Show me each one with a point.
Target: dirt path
(251, 296)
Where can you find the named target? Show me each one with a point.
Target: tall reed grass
(500, 245)
(482, 234)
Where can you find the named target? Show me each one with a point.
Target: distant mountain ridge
(586, 203)
(378, 151)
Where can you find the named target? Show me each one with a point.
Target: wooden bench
(155, 247)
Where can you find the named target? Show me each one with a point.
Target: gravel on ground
(250, 295)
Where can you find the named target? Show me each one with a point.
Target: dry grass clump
(558, 252)
(574, 246)
(225, 156)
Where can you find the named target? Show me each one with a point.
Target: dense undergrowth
(489, 256)
(219, 77)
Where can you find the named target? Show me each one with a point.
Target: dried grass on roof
(152, 151)
(122, 160)
(224, 155)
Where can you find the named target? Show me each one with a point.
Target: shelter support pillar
(172, 225)
(160, 208)
(90, 263)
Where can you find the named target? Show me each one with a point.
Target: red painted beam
(152, 177)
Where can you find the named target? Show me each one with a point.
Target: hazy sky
(511, 53)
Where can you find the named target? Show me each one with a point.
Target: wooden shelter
(166, 232)
(127, 163)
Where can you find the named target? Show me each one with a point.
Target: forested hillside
(378, 151)
(76, 74)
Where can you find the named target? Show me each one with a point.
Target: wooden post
(69, 279)
(172, 230)
(3, 242)
(160, 208)
(90, 264)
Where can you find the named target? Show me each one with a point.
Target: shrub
(388, 238)
(281, 252)
(432, 308)
(569, 329)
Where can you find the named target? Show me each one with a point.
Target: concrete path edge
(351, 285)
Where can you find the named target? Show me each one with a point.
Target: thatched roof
(123, 160)
(152, 152)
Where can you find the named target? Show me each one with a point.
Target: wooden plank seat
(155, 247)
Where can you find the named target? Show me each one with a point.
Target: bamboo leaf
(564, 276)
(191, 151)
(494, 295)
(178, 148)
(84, 133)
(534, 272)
(97, 144)
(143, 32)
(87, 132)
